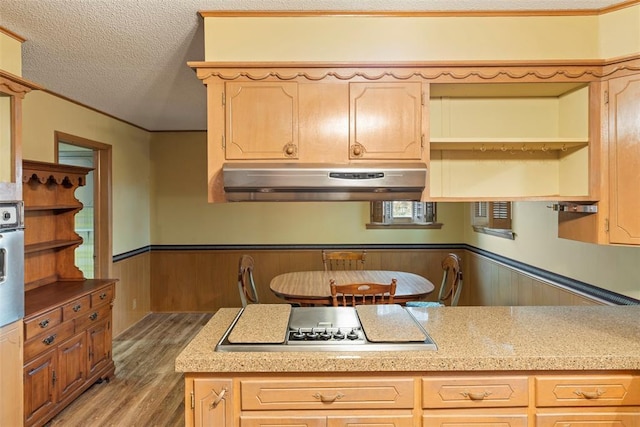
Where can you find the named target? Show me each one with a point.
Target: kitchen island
(519, 366)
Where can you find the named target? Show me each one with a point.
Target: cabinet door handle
(328, 399)
(93, 316)
(103, 295)
(43, 324)
(77, 307)
(476, 395)
(219, 399)
(589, 394)
(49, 340)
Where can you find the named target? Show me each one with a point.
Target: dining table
(313, 287)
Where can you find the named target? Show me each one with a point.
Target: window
(493, 218)
(403, 214)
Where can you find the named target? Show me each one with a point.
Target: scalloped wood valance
(437, 72)
(58, 173)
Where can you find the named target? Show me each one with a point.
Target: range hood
(323, 182)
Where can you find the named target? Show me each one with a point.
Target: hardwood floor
(145, 391)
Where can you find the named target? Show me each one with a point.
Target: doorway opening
(93, 222)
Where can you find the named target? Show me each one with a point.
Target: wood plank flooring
(146, 390)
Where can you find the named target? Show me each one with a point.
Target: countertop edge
(198, 356)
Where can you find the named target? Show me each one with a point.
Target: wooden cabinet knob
(357, 150)
(290, 150)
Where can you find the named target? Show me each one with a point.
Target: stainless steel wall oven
(11, 262)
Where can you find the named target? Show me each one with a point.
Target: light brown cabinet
(67, 323)
(624, 161)
(587, 400)
(385, 121)
(406, 400)
(618, 166)
(11, 344)
(468, 401)
(261, 120)
(210, 402)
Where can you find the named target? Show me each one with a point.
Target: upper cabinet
(12, 91)
(509, 141)
(624, 159)
(385, 120)
(507, 132)
(616, 220)
(261, 120)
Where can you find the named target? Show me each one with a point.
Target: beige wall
(10, 54)
(619, 32)
(182, 215)
(44, 113)
(536, 226)
(427, 38)
(324, 38)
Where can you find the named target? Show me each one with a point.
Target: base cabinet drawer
(613, 417)
(381, 393)
(475, 392)
(596, 390)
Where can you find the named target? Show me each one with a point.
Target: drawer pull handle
(328, 399)
(93, 316)
(77, 307)
(44, 323)
(476, 395)
(103, 295)
(49, 340)
(589, 394)
(219, 399)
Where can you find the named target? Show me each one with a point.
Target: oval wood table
(312, 287)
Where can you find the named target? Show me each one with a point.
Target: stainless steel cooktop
(326, 329)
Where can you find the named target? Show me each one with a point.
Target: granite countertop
(468, 339)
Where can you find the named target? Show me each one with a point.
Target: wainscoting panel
(488, 282)
(132, 301)
(206, 280)
(192, 279)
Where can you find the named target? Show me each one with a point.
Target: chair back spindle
(353, 294)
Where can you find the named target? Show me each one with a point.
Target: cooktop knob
(313, 335)
(339, 335)
(326, 335)
(298, 335)
(353, 335)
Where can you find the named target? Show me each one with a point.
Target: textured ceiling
(128, 58)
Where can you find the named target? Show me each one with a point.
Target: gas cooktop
(339, 329)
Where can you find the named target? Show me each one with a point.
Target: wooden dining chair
(362, 293)
(341, 260)
(246, 285)
(450, 287)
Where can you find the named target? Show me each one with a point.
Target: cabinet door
(40, 394)
(213, 402)
(261, 120)
(611, 418)
(475, 419)
(624, 131)
(72, 365)
(98, 346)
(385, 120)
(370, 420)
(285, 420)
(11, 391)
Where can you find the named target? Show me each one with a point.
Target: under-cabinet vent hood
(323, 182)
